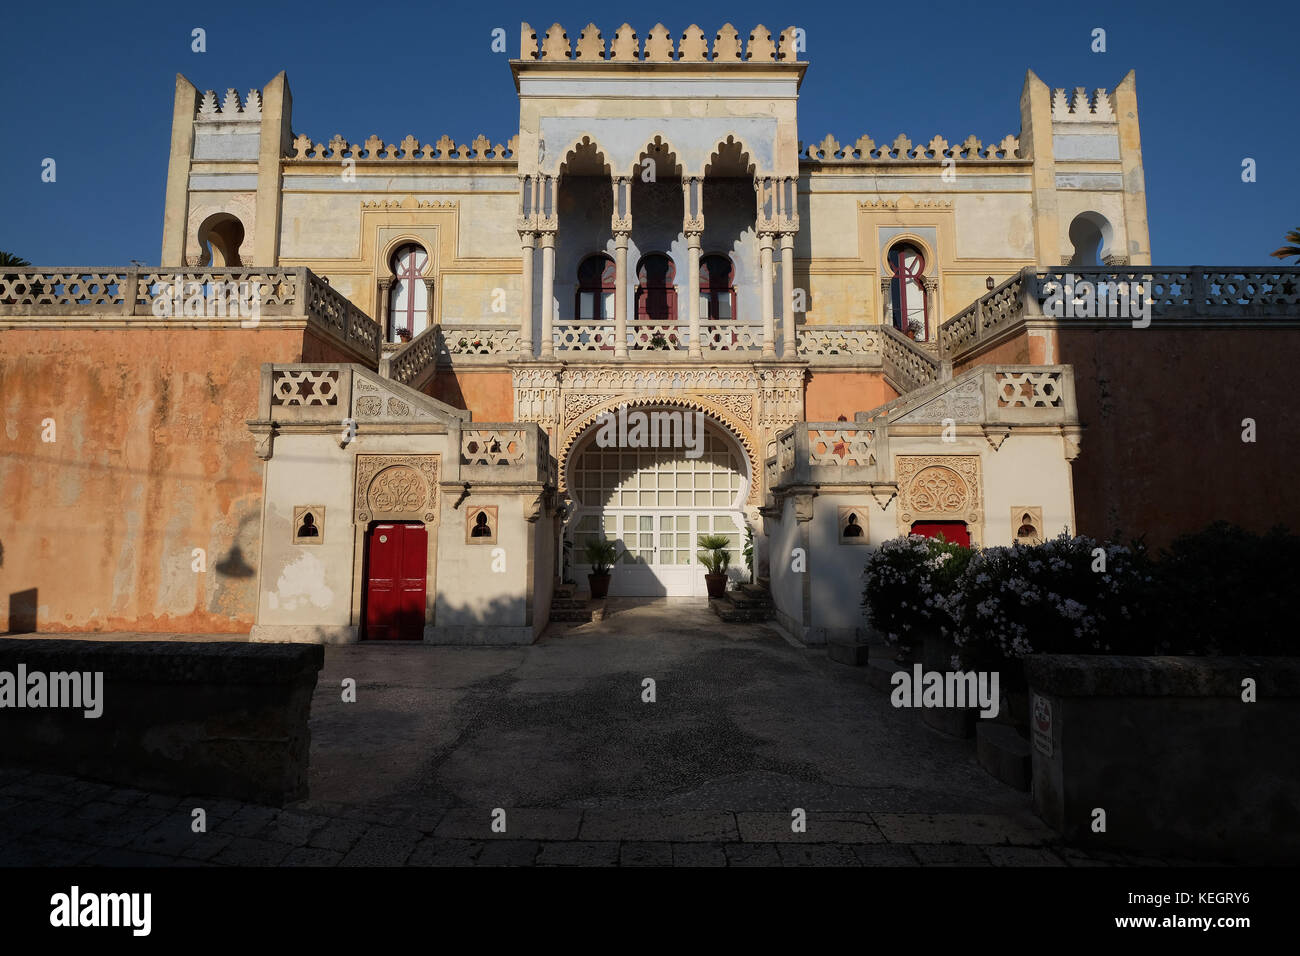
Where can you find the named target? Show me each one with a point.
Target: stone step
(848, 652)
(558, 603)
(565, 590)
(1003, 753)
(570, 616)
(732, 614)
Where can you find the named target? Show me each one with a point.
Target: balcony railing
(596, 335)
(211, 297)
(1110, 296)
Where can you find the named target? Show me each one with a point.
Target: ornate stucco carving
(396, 488)
(739, 431)
(939, 488)
(963, 403)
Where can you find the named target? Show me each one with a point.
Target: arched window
(656, 296)
(595, 296)
(408, 303)
(907, 291)
(717, 291)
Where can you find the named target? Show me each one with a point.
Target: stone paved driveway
(558, 741)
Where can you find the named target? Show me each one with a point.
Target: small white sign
(1042, 721)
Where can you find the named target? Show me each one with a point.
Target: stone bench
(216, 719)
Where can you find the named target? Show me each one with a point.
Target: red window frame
(411, 275)
(714, 286)
(655, 292)
(600, 284)
(898, 287)
(656, 295)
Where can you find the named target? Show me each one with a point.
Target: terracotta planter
(599, 585)
(717, 584)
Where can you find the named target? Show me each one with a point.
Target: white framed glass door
(658, 552)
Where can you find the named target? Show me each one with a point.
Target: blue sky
(92, 88)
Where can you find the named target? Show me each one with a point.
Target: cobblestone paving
(48, 820)
(746, 726)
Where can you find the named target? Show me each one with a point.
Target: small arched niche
(220, 236)
(1092, 238)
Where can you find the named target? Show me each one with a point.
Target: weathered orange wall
(832, 394)
(1019, 350)
(489, 394)
(1162, 449)
(152, 459)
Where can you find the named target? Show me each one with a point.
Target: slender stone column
(548, 293)
(385, 285)
(431, 316)
(693, 293)
(621, 225)
(765, 292)
(789, 346)
(693, 229)
(620, 295)
(527, 240)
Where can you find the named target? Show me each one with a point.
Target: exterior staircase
(749, 604)
(567, 607)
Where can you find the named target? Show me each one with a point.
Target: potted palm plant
(716, 558)
(601, 555)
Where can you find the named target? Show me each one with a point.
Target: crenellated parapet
(901, 149)
(660, 46)
(230, 108)
(408, 150)
(1083, 107)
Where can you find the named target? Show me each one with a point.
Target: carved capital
(803, 506)
(1071, 438)
(263, 438)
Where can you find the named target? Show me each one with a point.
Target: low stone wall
(1169, 749)
(214, 719)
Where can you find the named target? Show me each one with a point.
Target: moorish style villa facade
(362, 394)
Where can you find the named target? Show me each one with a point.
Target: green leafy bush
(601, 555)
(715, 557)
(1225, 590)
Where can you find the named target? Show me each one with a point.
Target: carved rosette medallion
(939, 488)
(396, 488)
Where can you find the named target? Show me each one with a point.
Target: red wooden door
(954, 532)
(396, 558)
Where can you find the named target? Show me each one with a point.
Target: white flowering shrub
(1056, 597)
(901, 582)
